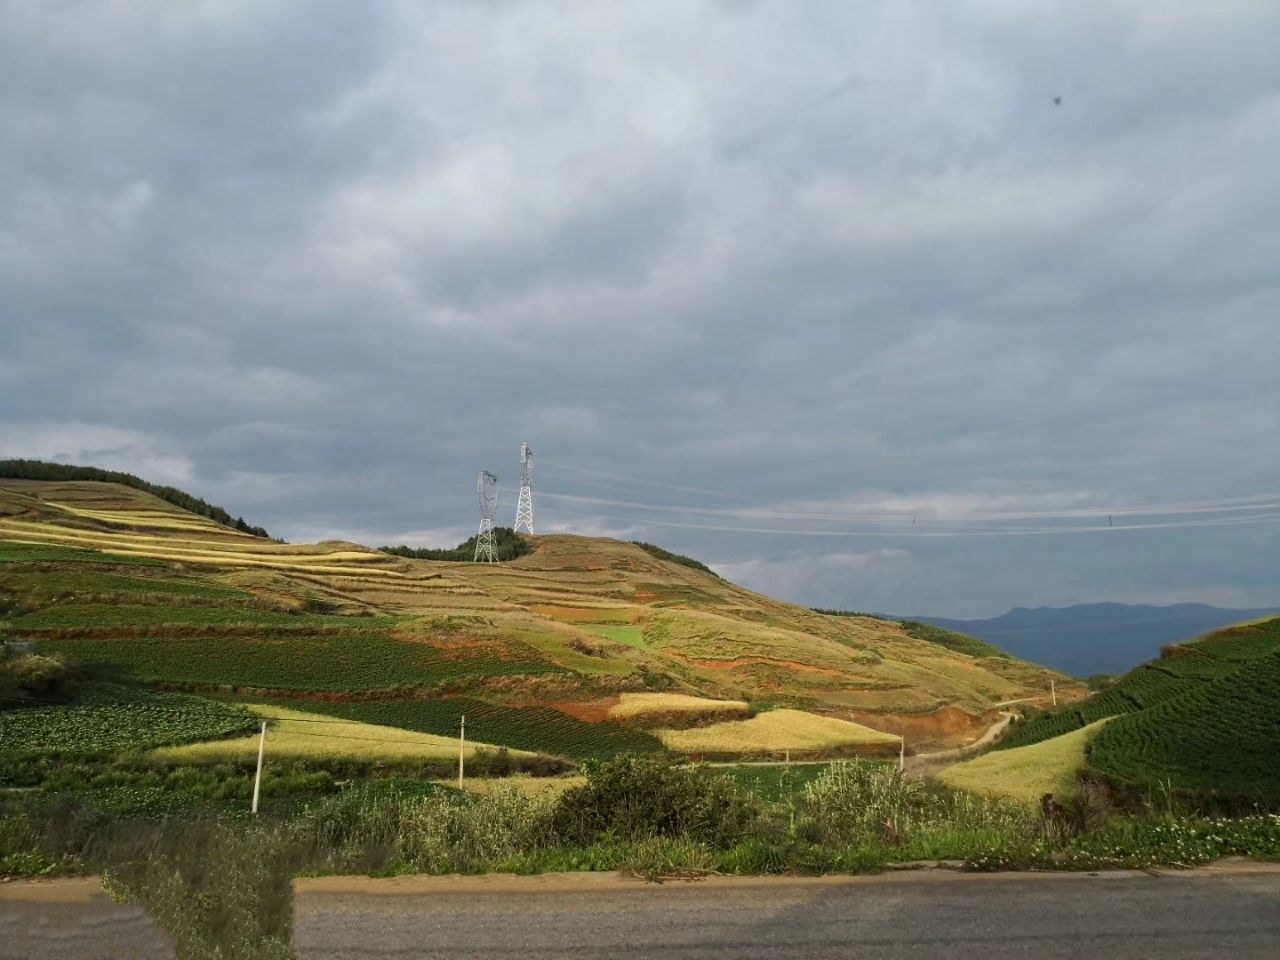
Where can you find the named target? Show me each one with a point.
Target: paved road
(937, 914)
(74, 920)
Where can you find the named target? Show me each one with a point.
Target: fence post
(462, 747)
(257, 777)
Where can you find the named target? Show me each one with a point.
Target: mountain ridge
(1107, 637)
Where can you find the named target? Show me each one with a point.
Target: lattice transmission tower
(524, 506)
(487, 498)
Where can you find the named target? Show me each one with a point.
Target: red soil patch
(948, 727)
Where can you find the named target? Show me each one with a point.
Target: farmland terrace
(542, 652)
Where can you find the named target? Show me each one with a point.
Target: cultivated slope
(1202, 720)
(567, 628)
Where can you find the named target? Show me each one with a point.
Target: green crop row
(1229, 654)
(71, 615)
(539, 729)
(1220, 737)
(107, 718)
(347, 660)
(48, 553)
(42, 586)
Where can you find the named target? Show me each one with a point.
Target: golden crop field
(634, 705)
(295, 733)
(773, 733)
(1026, 773)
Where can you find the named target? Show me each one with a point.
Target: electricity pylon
(487, 498)
(524, 506)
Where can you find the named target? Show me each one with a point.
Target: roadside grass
(772, 782)
(1026, 773)
(220, 883)
(773, 733)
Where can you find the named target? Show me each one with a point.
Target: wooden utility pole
(462, 747)
(257, 777)
(902, 753)
(1053, 691)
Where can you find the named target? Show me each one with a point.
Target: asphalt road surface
(74, 920)
(1220, 913)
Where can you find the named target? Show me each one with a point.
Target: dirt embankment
(946, 728)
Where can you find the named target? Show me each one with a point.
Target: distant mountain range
(1096, 637)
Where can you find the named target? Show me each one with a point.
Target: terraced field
(1203, 721)
(116, 578)
(1230, 653)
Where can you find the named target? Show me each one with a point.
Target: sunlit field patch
(773, 733)
(294, 733)
(633, 706)
(1026, 773)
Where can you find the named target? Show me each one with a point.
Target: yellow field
(1026, 773)
(301, 734)
(633, 705)
(774, 732)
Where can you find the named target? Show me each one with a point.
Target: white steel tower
(487, 498)
(524, 506)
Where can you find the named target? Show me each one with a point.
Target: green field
(1228, 653)
(110, 718)
(1220, 738)
(11, 552)
(1203, 721)
(351, 659)
(775, 782)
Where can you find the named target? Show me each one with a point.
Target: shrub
(34, 676)
(634, 798)
(856, 802)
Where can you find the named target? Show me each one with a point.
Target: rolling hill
(115, 576)
(1202, 721)
(1097, 637)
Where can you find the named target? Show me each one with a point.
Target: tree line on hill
(507, 545)
(41, 470)
(656, 551)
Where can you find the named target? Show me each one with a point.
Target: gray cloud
(321, 264)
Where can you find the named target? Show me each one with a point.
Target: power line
(910, 516)
(918, 531)
(638, 481)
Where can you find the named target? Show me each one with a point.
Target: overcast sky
(806, 268)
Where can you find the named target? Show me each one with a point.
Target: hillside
(1091, 638)
(1202, 720)
(113, 575)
